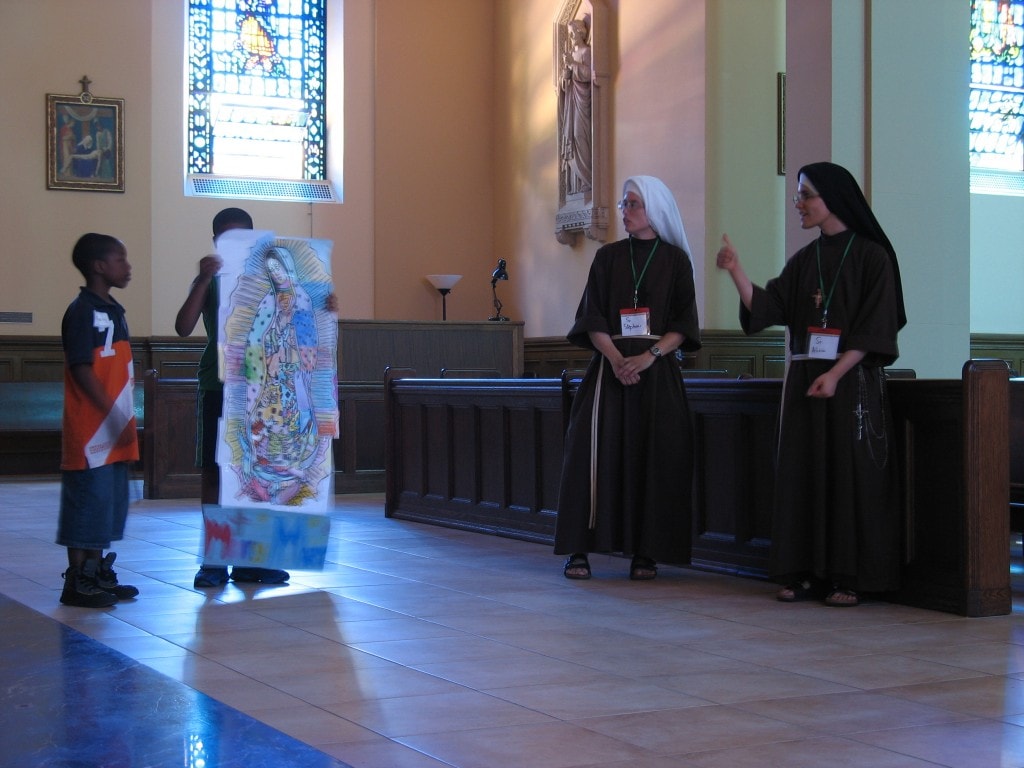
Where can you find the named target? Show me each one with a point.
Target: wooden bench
(170, 438)
(30, 426)
(1017, 455)
(485, 455)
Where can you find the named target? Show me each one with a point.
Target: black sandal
(577, 566)
(842, 598)
(797, 592)
(642, 568)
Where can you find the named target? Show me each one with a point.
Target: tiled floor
(420, 646)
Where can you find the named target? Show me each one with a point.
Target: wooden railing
(485, 455)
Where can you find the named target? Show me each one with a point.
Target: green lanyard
(632, 264)
(835, 280)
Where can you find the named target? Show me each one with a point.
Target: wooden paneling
(359, 452)
(483, 455)
(175, 358)
(734, 478)
(1007, 347)
(170, 439)
(367, 347)
(760, 356)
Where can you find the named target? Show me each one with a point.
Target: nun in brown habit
(628, 466)
(836, 516)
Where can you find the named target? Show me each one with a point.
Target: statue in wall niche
(580, 74)
(576, 148)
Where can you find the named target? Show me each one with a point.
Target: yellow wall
(450, 147)
(433, 176)
(48, 46)
(429, 120)
(658, 102)
(746, 196)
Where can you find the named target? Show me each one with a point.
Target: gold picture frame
(780, 126)
(84, 143)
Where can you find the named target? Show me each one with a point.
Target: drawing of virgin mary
(281, 447)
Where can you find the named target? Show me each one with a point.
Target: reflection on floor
(420, 646)
(69, 700)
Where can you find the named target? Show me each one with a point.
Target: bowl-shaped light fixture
(444, 285)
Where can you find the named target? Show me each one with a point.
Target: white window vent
(991, 181)
(286, 190)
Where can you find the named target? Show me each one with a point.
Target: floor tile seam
(729, 708)
(411, 741)
(265, 716)
(895, 692)
(759, 668)
(979, 670)
(860, 737)
(881, 687)
(898, 701)
(957, 720)
(966, 672)
(326, 706)
(711, 753)
(700, 701)
(406, 696)
(397, 736)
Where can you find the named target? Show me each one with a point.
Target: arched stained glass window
(997, 84)
(257, 88)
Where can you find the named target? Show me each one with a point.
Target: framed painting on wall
(84, 143)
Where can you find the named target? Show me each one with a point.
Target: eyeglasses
(630, 205)
(803, 196)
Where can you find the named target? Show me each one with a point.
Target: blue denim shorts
(93, 506)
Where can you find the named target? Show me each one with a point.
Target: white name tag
(636, 322)
(823, 343)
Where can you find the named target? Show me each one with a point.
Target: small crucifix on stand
(85, 95)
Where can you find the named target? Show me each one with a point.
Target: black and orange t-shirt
(95, 332)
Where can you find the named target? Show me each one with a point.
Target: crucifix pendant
(860, 412)
(817, 298)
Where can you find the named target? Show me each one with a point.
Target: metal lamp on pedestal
(498, 274)
(444, 285)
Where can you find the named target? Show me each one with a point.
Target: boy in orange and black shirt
(99, 430)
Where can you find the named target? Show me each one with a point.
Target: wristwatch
(655, 351)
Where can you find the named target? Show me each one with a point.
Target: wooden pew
(485, 455)
(1017, 455)
(30, 426)
(170, 438)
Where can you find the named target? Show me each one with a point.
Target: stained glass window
(997, 84)
(256, 88)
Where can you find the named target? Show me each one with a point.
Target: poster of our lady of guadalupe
(277, 359)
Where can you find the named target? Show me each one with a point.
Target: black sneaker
(82, 592)
(106, 578)
(259, 575)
